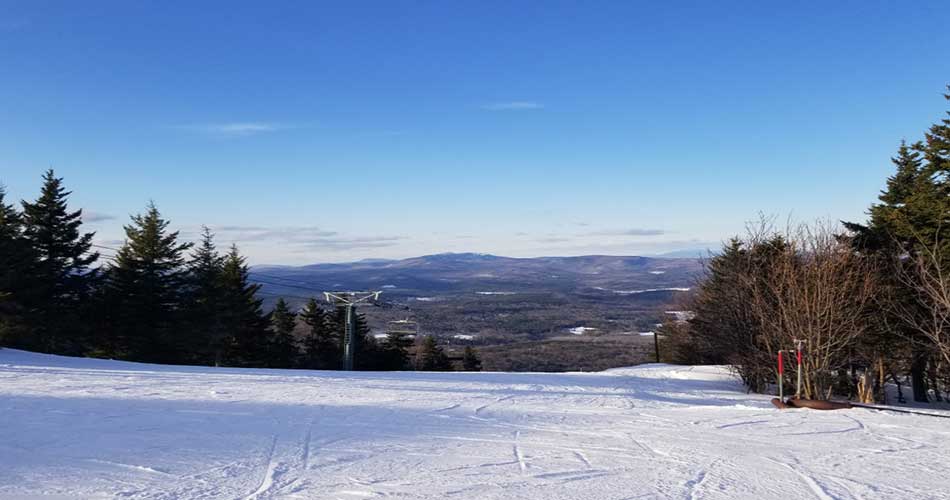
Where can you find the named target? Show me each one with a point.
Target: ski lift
(404, 327)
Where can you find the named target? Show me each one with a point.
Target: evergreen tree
(396, 350)
(470, 360)
(62, 276)
(205, 301)
(913, 210)
(241, 314)
(726, 328)
(283, 349)
(432, 358)
(370, 355)
(145, 287)
(17, 261)
(322, 344)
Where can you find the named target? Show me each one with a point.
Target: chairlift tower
(349, 300)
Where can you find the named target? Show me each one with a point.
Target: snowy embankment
(83, 428)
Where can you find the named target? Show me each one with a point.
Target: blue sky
(338, 131)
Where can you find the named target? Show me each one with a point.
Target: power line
(308, 289)
(320, 284)
(104, 247)
(284, 295)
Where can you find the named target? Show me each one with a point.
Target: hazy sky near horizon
(323, 132)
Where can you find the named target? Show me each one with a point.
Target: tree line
(162, 300)
(869, 300)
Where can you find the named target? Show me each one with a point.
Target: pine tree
(283, 351)
(145, 290)
(396, 350)
(322, 344)
(432, 358)
(470, 360)
(912, 211)
(62, 275)
(17, 262)
(205, 300)
(241, 314)
(370, 356)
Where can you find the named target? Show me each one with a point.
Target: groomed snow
(81, 428)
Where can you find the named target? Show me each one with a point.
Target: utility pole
(348, 300)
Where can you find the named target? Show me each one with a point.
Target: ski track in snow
(519, 456)
(82, 428)
(819, 491)
(695, 485)
(268, 480)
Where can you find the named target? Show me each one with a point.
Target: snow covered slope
(80, 428)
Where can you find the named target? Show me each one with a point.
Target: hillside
(490, 300)
(84, 428)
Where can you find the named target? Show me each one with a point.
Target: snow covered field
(81, 428)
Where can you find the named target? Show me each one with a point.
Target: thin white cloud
(295, 239)
(637, 231)
(628, 248)
(512, 106)
(233, 129)
(91, 217)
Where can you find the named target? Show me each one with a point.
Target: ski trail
(305, 456)
(496, 401)
(818, 490)
(268, 480)
(519, 456)
(583, 458)
(447, 408)
(737, 424)
(695, 485)
(841, 482)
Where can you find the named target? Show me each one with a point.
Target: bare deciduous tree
(819, 291)
(928, 313)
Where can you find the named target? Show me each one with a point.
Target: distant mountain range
(452, 274)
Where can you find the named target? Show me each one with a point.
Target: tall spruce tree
(205, 296)
(432, 357)
(145, 291)
(370, 355)
(62, 274)
(913, 210)
(241, 314)
(470, 360)
(396, 350)
(282, 348)
(321, 344)
(17, 262)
